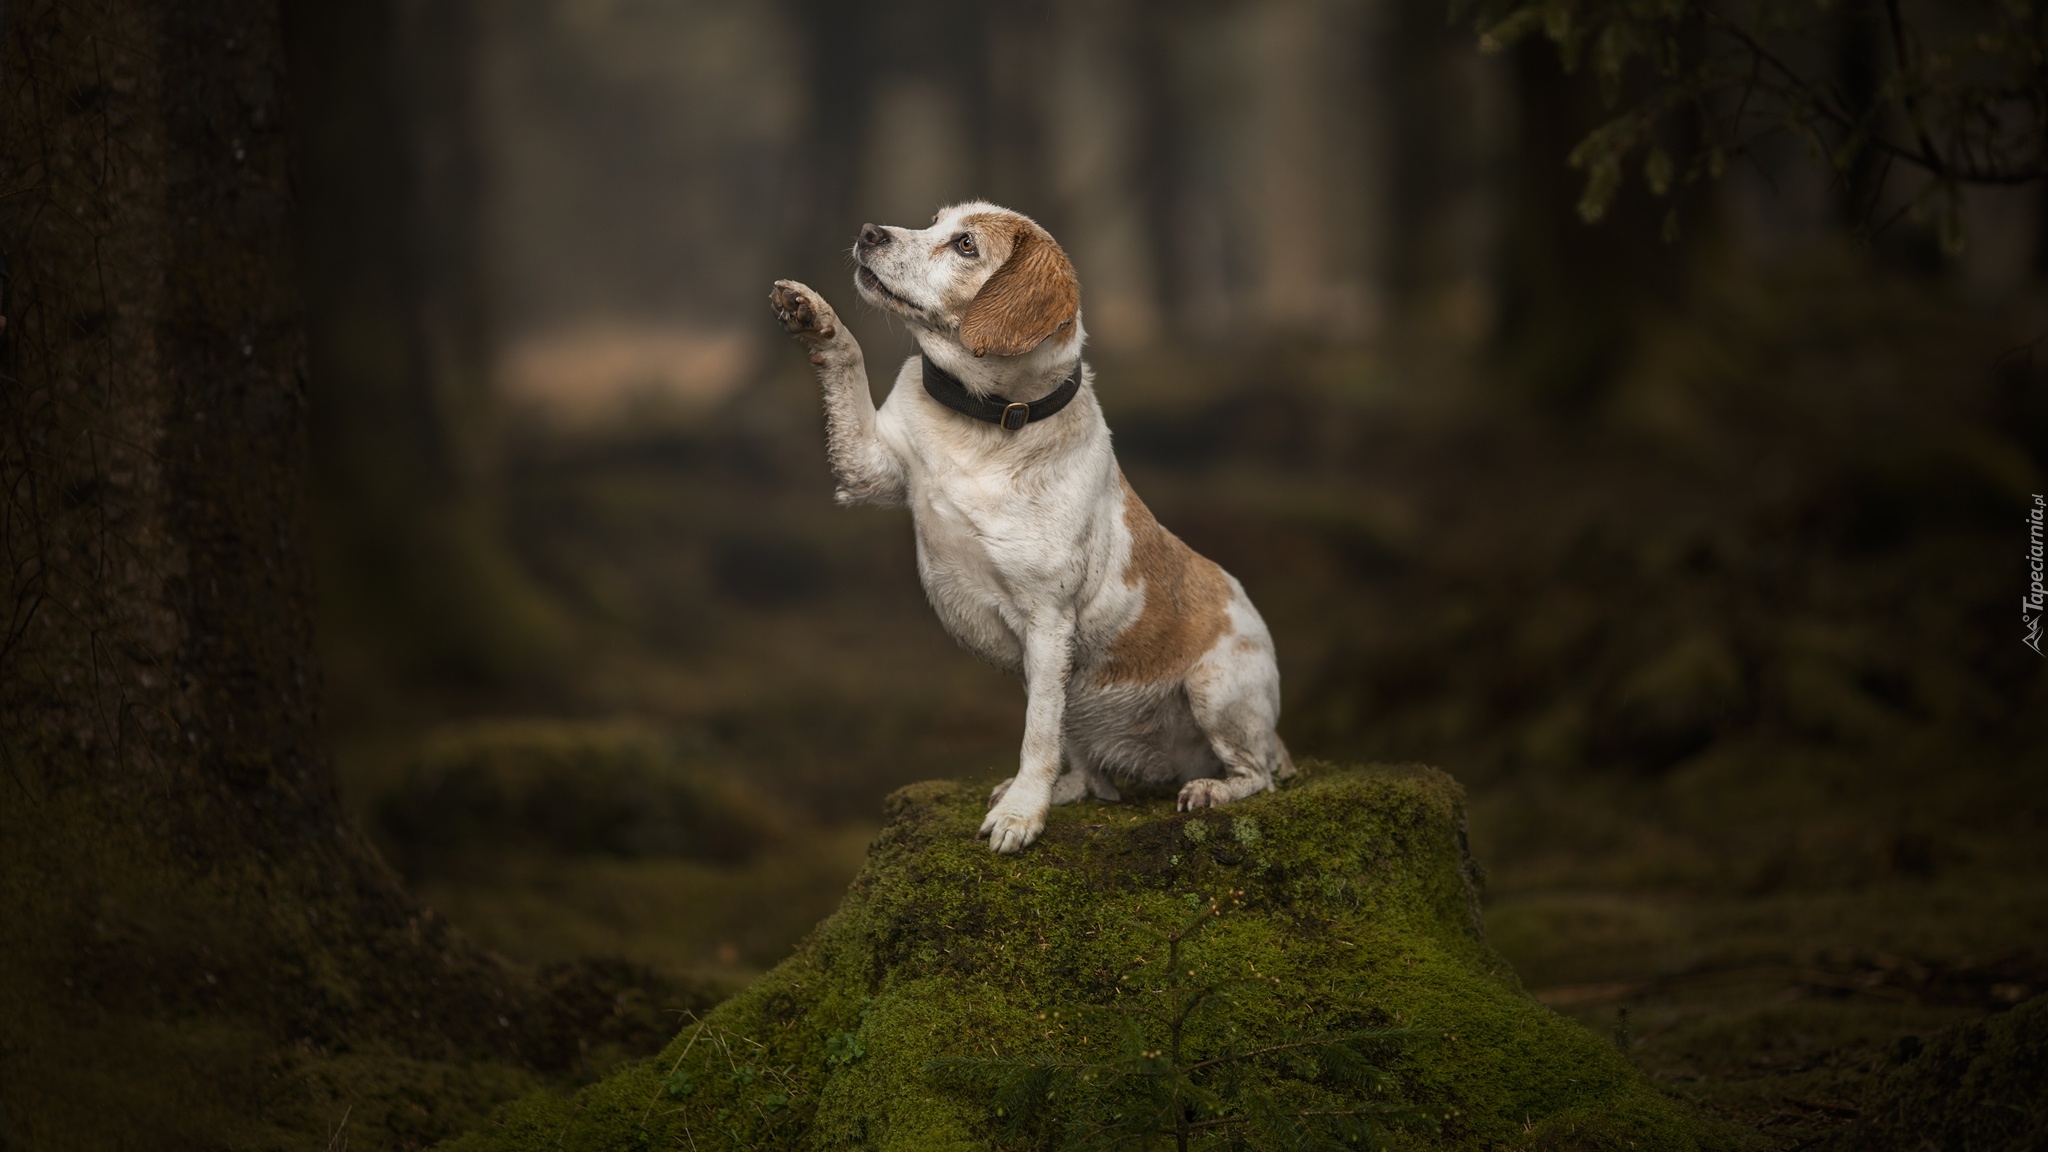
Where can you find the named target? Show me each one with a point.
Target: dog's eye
(966, 246)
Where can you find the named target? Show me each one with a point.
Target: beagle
(1142, 661)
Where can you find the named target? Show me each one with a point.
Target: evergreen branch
(1858, 127)
(1899, 57)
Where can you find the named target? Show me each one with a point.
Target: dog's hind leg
(1235, 697)
(1083, 777)
(1099, 786)
(1074, 784)
(1071, 786)
(1243, 775)
(1081, 783)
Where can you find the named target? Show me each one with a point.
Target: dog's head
(986, 277)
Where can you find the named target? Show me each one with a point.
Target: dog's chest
(1001, 539)
(1013, 540)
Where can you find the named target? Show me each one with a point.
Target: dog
(1142, 661)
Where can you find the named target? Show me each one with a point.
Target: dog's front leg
(1017, 819)
(863, 467)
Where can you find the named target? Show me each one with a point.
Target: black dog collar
(1008, 414)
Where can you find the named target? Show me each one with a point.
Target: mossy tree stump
(1350, 904)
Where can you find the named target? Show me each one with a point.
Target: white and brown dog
(1141, 660)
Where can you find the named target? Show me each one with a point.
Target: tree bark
(1317, 205)
(1574, 293)
(421, 576)
(196, 945)
(1093, 160)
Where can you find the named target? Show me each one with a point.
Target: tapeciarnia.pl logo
(2031, 605)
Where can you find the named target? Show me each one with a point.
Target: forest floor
(1724, 653)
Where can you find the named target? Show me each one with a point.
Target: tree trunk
(196, 946)
(1317, 204)
(1574, 293)
(1445, 152)
(421, 579)
(1094, 158)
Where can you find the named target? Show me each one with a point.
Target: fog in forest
(1690, 539)
(1588, 514)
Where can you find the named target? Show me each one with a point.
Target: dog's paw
(802, 312)
(1203, 793)
(996, 794)
(1010, 830)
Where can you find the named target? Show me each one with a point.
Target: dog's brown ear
(1034, 295)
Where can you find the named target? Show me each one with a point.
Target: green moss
(574, 788)
(1350, 891)
(1983, 1084)
(161, 993)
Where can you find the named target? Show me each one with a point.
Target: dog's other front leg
(863, 467)
(1016, 820)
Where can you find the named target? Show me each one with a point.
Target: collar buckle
(1015, 415)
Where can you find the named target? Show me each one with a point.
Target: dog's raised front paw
(1203, 793)
(1009, 830)
(803, 312)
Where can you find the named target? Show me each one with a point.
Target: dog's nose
(872, 237)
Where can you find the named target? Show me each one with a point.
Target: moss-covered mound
(617, 789)
(1348, 904)
(1977, 1087)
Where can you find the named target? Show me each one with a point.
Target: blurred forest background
(1696, 557)
(1690, 540)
